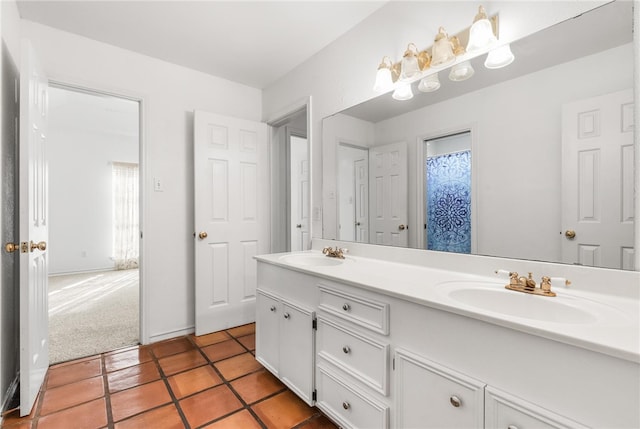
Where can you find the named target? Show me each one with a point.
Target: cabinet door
(432, 396)
(268, 311)
(297, 350)
(507, 411)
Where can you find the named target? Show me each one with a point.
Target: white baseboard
(154, 338)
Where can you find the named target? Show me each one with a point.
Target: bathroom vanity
(375, 343)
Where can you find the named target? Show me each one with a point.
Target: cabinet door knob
(273, 308)
(455, 401)
(512, 427)
(346, 405)
(286, 315)
(346, 350)
(346, 307)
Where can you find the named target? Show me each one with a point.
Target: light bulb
(499, 57)
(403, 92)
(429, 83)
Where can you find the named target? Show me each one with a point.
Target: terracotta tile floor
(212, 381)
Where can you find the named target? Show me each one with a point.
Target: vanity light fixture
(430, 83)
(442, 50)
(481, 35)
(461, 71)
(410, 66)
(499, 57)
(384, 80)
(403, 92)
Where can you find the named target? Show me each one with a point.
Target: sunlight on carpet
(92, 313)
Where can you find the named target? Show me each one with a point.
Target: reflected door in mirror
(598, 208)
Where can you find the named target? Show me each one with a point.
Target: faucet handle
(560, 280)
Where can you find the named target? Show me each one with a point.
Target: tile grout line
(174, 399)
(227, 383)
(107, 394)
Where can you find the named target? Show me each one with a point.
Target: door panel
(33, 203)
(231, 218)
(299, 193)
(388, 194)
(598, 206)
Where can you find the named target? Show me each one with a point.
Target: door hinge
(314, 395)
(393, 363)
(314, 324)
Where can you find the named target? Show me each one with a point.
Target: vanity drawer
(361, 357)
(347, 406)
(503, 410)
(365, 312)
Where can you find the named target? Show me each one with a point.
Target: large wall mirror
(533, 161)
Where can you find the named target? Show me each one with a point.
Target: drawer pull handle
(455, 401)
(346, 405)
(346, 307)
(273, 308)
(346, 350)
(286, 315)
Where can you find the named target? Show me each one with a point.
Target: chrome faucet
(334, 253)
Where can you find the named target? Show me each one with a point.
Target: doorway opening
(448, 193)
(353, 193)
(94, 229)
(291, 192)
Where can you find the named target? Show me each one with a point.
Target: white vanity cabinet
(429, 395)
(353, 363)
(382, 360)
(503, 410)
(285, 328)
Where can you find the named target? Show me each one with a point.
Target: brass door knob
(299, 225)
(12, 247)
(203, 235)
(402, 227)
(42, 246)
(570, 234)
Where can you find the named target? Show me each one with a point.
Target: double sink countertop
(600, 322)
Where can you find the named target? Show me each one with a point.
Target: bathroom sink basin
(311, 260)
(494, 298)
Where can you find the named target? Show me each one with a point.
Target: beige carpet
(92, 313)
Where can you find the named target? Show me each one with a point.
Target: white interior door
(231, 218)
(299, 193)
(361, 207)
(598, 205)
(34, 326)
(388, 207)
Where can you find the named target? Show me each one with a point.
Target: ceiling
(251, 42)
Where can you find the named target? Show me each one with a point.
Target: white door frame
(418, 228)
(142, 171)
(272, 121)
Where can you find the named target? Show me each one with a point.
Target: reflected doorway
(94, 231)
(448, 193)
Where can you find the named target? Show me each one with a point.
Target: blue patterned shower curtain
(449, 202)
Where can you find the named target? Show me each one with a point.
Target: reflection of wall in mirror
(518, 135)
(339, 129)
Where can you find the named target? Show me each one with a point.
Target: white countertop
(614, 330)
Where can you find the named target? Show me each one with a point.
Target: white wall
(169, 95)
(97, 130)
(518, 149)
(342, 74)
